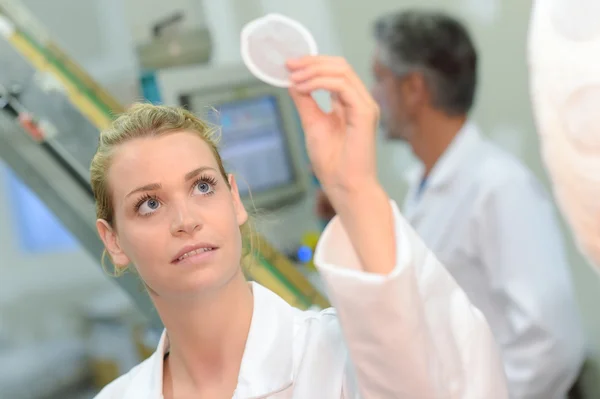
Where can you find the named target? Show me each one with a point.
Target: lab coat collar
(465, 142)
(267, 364)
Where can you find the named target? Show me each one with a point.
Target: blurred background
(66, 66)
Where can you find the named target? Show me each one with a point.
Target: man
(478, 208)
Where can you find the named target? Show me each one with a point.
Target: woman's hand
(341, 148)
(340, 143)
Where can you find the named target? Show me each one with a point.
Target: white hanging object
(564, 54)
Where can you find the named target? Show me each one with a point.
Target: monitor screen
(253, 143)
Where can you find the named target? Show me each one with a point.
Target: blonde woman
(402, 328)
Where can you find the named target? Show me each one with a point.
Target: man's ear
(111, 243)
(416, 89)
(240, 212)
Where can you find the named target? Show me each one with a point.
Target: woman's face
(176, 220)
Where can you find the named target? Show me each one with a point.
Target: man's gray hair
(435, 45)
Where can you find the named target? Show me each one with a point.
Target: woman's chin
(199, 282)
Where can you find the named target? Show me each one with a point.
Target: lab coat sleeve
(413, 333)
(521, 245)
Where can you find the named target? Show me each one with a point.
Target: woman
(402, 328)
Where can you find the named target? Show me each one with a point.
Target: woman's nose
(185, 220)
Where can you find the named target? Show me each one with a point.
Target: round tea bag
(268, 42)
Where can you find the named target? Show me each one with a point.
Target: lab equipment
(181, 47)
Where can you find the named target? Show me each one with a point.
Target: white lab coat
(491, 223)
(411, 334)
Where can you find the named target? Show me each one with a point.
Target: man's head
(425, 62)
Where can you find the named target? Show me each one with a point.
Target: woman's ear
(111, 243)
(240, 211)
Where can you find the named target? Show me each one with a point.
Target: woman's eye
(149, 206)
(204, 188)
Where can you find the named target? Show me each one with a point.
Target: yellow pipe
(96, 116)
(105, 97)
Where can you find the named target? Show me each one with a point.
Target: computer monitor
(260, 134)
(253, 144)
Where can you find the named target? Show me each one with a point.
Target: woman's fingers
(311, 67)
(340, 88)
(307, 107)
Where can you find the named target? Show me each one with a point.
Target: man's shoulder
(500, 174)
(499, 168)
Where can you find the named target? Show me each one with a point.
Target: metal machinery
(50, 114)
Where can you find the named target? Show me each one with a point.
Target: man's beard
(402, 131)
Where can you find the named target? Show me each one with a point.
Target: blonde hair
(147, 120)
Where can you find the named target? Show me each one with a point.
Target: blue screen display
(36, 228)
(253, 143)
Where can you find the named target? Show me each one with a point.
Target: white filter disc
(268, 42)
